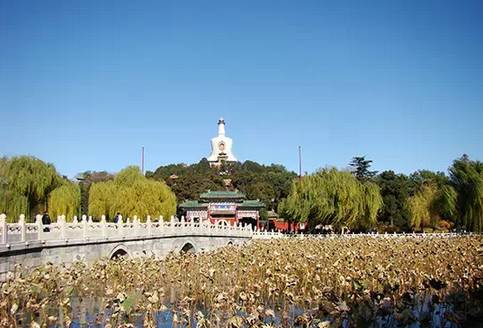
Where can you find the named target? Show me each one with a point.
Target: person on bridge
(117, 217)
(46, 221)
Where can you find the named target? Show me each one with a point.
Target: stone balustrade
(257, 234)
(386, 235)
(87, 230)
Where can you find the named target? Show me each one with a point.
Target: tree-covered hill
(269, 183)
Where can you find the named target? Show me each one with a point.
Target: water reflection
(90, 312)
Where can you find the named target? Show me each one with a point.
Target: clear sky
(85, 84)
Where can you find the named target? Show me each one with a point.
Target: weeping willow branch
(333, 197)
(131, 194)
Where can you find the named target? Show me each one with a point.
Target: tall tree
(445, 203)
(26, 182)
(130, 193)
(395, 192)
(467, 178)
(102, 196)
(333, 197)
(361, 167)
(420, 207)
(420, 178)
(65, 200)
(431, 204)
(86, 179)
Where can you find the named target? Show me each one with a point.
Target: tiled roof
(222, 195)
(251, 204)
(192, 204)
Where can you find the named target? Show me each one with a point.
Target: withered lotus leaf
(310, 282)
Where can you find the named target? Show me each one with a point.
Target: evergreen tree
(395, 192)
(361, 167)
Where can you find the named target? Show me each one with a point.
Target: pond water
(90, 313)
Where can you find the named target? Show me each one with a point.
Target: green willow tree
(130, 193)
(25, 183)
(101, 199)
(333, 197)
(420, 208)
(431, 204)
(445, 203)
(467, 178)
(65, 200)
(86, 179)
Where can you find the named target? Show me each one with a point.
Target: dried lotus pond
(327, 282)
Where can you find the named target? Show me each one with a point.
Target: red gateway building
(223, 207)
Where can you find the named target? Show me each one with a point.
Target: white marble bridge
(33, 244)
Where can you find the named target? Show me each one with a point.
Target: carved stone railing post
(103, 226)
(148, 225)
(21, 224)
(40, 228)
(192, 224)
(84, 226)
(61, 223)
(119, 225)
(172, 223)
(3, 226)
(161, 224)
(136, 226)
(205, 227)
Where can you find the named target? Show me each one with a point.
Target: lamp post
(80, 179)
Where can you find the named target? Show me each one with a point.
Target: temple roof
(192, 204)
(222, 195)
(231, 196)
(251, 204)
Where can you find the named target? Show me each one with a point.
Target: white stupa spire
(221, 127)
(221, 146)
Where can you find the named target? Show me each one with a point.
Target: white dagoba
(221, 146)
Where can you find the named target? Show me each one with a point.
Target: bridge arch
(120, 251)
(188, 247)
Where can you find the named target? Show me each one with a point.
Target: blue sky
(85, 84)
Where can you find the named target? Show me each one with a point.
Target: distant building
(223, 207)
(221, 147)
(276, 223)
